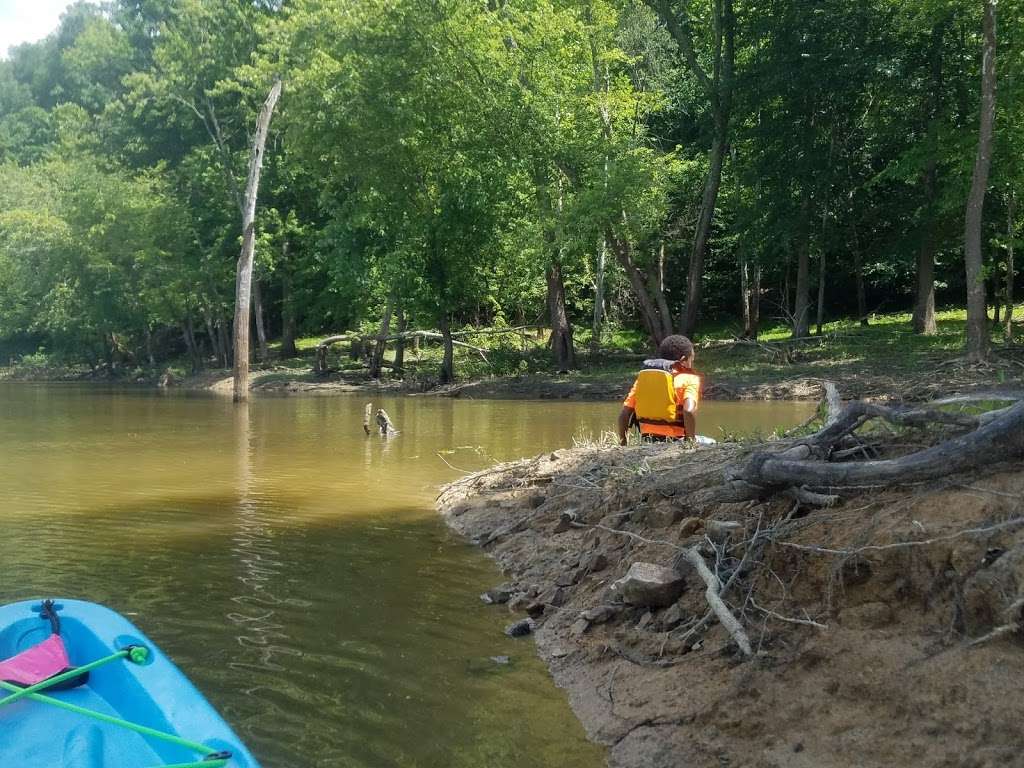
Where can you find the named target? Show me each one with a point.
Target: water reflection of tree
(260, 629)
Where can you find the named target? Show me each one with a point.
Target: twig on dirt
(787, 619)
(629, 534)
(633, 658)
(1012, 523)
(991, 491)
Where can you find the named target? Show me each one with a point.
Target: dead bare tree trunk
(243, 281)
(977, 317)
(261, 332)
(1011, 232)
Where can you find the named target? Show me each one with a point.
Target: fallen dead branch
(805, 463)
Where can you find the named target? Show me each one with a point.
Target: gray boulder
(650, 585)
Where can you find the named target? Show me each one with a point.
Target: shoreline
(598, 387)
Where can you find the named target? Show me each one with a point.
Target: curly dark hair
(675, 348)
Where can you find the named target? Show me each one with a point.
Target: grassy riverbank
(882, 360)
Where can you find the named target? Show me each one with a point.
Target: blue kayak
(116, 701)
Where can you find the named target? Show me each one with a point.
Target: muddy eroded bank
(884, 630)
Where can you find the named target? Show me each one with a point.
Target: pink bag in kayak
(43, 660)
(38, 663)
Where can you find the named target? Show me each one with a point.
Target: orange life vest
(656, 398)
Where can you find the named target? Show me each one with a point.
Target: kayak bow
(125, 705)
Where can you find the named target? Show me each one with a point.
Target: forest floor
(884, 360)
(866, 619)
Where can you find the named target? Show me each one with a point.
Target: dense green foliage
(499, 163)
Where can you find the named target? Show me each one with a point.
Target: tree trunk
(658, 280)
(261, 332)
(448, 360)
(977, 319)
(858, 274)
(923, 319)
(750, 298)
(786, 306)
(801, 307)
(752, 330)
(745, 295)
(561, 328)
(821, 291)
(149, 346)
(215, 330)
(385, 328)
(190, 343)
(1011, 229)
(657, 326)
(224, 337)
(399, 365)
(695, 275)
(243, 282)
(288, 349)
(595, 328)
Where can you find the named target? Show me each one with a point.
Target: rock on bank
(884, 630)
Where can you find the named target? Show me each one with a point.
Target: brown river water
(295, 569)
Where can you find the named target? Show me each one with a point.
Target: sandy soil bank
(865, 618)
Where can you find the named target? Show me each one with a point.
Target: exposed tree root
(798, 467)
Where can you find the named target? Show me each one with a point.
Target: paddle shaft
(144, 730)
(51, 681)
